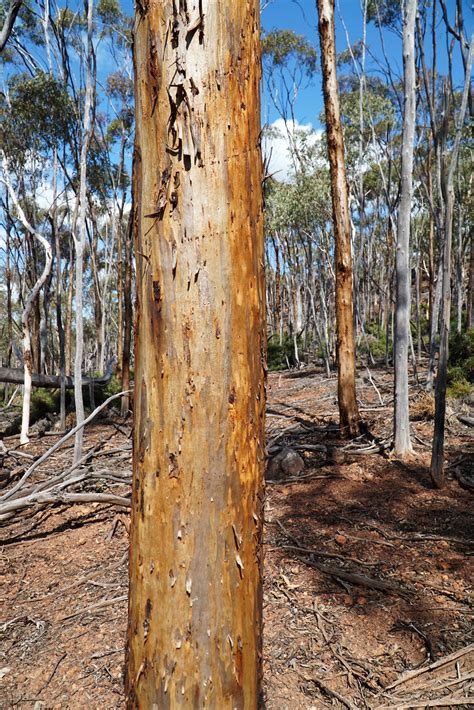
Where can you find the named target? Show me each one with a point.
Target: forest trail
(368, 570)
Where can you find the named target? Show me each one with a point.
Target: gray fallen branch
(469, 421)
(57, 445)
(47, 498)
(50, 490)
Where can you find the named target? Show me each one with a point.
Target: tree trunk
(33, 296)
(348, 409)
(437, 454)
(59, 318)
(68, 328)
(470, 288)
(120, 296)
(127, 309)
(431, 243)
(194, 635)
(9, 21)
(8, 280)
(81, 237)
(459, 271)
(402, 442)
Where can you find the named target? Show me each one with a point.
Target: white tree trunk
(80, 238)
(33, 295)
(402, 443)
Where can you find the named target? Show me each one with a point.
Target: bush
(460, 371)
(458, 389)
(43, 401)
(423, 407)
(113, 386)
(278, 356)
(375, 341)
(461, 356)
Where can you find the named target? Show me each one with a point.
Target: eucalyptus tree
(79, 224)
(30, 300)
(402, 442)
(348, 407)
(9, 21)
(289, 65)
(25, 147)
(450, 159)
(194, 632)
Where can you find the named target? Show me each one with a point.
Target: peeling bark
(194, 634)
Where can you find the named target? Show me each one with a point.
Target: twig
(375, 387)
(98, 605)
(336, 655)
(107, 653)
(329, 692)
(427, 669)
(330, 555)
(339, 573)
(52, 673)
(445, 702)
(356, 578)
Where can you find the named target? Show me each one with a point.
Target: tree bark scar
(142, 7)
(27, 360)
(146, 621)
(156, 292)
(154, 69)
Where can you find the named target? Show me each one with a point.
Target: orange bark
(348, 409)
(194, 636)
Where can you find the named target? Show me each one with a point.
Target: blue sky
(301, 17)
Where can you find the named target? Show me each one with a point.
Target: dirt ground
(368, 570)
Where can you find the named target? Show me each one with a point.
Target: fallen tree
(15, 376)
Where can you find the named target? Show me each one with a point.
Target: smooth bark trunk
(437, 454)
(33, 297)
(80, 238)
(402, 441)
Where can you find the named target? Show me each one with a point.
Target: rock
(41, 426)
(286, 463)
(291, 463)
(335, 456)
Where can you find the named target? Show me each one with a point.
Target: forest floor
(368, 569)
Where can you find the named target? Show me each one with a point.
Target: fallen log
(468, 421)
(15, 375)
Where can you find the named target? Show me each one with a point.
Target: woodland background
(367, 567)
(53, 147)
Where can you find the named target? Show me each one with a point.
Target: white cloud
(277, 142)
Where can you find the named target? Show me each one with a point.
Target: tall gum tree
(402, 442)
(194, 634)
(349, 416)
